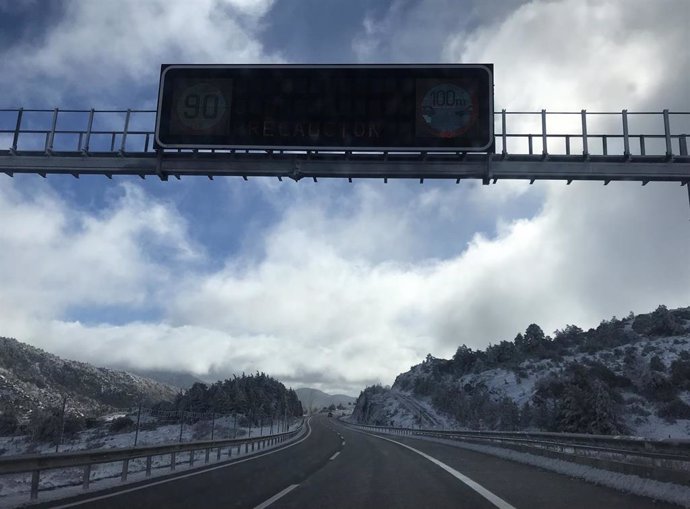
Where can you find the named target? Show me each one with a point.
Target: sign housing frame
(488, 147)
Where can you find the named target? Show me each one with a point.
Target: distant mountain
(32, 379)
(177, 379)
(316, 399)
(626, 376)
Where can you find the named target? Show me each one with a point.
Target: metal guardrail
(37, 463)
(110, 142)
(666, 460)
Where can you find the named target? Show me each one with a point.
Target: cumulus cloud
(576, 54)
(55, 256)
(98, 48)
(352, 285)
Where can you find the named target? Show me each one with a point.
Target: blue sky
(332, 285)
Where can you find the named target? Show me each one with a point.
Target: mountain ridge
(315, 399)
(32, 379)
(627, 376)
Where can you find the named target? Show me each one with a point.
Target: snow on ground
(657, 428)
(502, 382)
(14, 489)
(414, 406)
(101, 438)
(664, 491)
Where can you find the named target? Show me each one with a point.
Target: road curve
(378, 471)
(340, 467)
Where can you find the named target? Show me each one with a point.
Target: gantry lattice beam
(530, 145)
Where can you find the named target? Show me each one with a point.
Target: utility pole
(62, 423)
(136, 435)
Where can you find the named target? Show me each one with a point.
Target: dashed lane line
(275, 497)
(335, 455)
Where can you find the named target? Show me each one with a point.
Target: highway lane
(531, 487)
(525, 485)
(339, 467)
(371, 473)
(242, 484)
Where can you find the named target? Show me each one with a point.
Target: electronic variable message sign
(327, 107)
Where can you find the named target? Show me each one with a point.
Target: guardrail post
(544, 150)
(504, 150)
(50, 138)
(218, 454)
(89, 127)
(667, 135)
(626, 139)
(585, 147)
(246, 447)
(87, 477)
(124, 133)
(15, 138)
(191, 457)
(173, 460)
(125, 470)
(208, 453)
(34, 484)
(148, 466)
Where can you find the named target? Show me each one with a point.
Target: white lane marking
(343, 442)
(335, 455)
(494, 499)
(163, 481)
(275, 497)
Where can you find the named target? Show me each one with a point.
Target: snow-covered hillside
(31, 379)
(627, 376)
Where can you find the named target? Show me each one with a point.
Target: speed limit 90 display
(201, 107)
(388, 107)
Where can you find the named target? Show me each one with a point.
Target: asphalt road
(339, 467)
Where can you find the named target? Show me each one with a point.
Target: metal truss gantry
(600, 146)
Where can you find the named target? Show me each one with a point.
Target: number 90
(197, 105)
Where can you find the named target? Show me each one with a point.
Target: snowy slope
(636, 374)
(32, 379)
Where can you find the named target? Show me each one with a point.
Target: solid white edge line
(275, 497)
(335, 455)
(494, 499)
(183, 476)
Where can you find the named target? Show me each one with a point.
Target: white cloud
(575, 54)
(343, 290)
(99, 50)
(54, 257)
(314, 312)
